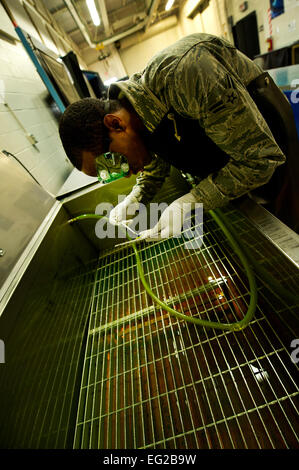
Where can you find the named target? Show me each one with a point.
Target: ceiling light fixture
(93, 12)
(169, 5)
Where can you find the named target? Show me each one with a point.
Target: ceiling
(119, 18)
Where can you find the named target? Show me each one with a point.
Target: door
(246, 37)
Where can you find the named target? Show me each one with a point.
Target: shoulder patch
(229, 96)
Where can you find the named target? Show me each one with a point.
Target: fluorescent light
(169, 5)
(93, 12)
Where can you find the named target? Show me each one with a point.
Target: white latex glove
(124, 211)
(171, 220)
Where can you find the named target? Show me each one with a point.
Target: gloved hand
(171, 220)
(124, 211)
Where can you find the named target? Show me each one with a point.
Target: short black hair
(81, 127)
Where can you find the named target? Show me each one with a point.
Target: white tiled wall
(23, 90)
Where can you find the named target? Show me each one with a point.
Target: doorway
(246, 38)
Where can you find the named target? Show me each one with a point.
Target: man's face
(124, 130)
(132, 147)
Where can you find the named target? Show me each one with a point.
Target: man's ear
(113, 122)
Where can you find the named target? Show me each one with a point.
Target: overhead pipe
(134, 29)
(122, 35)
(77, 19)
(104, 16)
(106, 42)
(151, 14)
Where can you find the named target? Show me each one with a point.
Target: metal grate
(151, 381)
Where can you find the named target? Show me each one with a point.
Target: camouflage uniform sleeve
(150, 180)
(204, 90)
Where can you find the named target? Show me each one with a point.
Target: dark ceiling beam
(58, 10)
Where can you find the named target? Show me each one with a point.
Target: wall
(23, 90)
(106, 68)
(137, 56)
(213, 20)
(280, 29)
(136, 49)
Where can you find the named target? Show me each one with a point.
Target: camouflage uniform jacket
(204, 77)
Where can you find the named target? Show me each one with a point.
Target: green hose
(236, 326)
(275, 285)
(210, 324)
